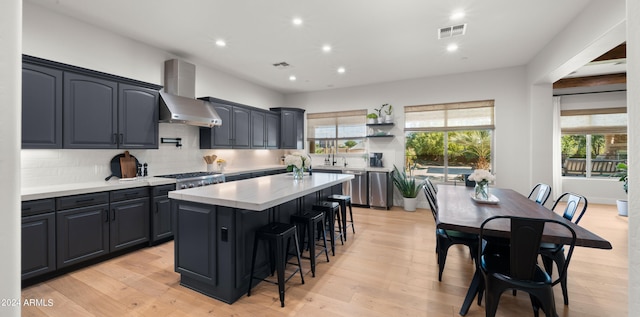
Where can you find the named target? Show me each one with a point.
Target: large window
(593, 141)
(446, 141)
(337, 132)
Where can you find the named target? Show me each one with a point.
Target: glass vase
(298, 173)
(482, 191)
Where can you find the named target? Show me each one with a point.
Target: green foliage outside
(575, 146)
(465, 148)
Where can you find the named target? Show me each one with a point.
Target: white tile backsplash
(50, 167)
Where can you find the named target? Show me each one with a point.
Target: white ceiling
(374, 40)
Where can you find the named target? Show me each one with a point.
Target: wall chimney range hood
(178, 103)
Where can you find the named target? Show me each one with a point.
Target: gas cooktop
(196, 179)
(189, 175)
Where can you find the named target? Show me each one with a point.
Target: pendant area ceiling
(370, 41)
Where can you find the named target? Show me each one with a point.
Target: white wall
(505, 86)
(55, 37)
(10, 101)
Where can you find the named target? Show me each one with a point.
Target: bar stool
(276, 234)
(331, 210)
(309, 221)
(344, 201)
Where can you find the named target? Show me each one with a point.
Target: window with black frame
(445, 142)
(593, 141)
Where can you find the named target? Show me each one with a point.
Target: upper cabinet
(41, 107)
(265, 127)
(291, 128)
(99, 111)
(235, 131)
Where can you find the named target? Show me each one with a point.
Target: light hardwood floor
(388, 268)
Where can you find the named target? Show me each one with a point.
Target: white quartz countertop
(260, 193)
(51, 191)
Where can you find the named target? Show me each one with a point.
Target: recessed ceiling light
(341, 70)
(452, 47)
(457, 15)
(326, 48)
(292, 78)
(221, 43)
(296, 21)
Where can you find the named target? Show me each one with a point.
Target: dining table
(460, 211)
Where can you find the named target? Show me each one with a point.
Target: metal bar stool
(331, 210)
(344, 201)
(276, 234)
(309, 221)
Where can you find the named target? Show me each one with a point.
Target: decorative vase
(298, 173)
(482, 191)
(410, 203)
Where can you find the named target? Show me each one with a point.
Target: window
(593, 141)
(446, 141)
(337, 132)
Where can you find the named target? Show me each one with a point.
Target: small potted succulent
(623, 204)
(408, 187)
(387, 113)
(372, 118)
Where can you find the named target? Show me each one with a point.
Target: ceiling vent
(451, 31)
(281, 65)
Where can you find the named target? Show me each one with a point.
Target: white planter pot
(380, 120)
(623, 207)
(371, 120)
(410, 203)
(388, 119)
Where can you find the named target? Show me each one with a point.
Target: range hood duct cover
(178, 103)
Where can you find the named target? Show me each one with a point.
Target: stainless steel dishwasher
(357, 187)
(380, 190)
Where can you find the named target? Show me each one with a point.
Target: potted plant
(372, 117)
(408, 187)
(387, 113)
(379, 111)
(623, 204)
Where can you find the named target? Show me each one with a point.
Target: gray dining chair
(540, 193)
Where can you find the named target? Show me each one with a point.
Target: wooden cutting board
(128, 166)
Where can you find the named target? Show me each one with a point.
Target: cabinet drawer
(126, 194)
(34, 207)
(76, 201)
(162, 190)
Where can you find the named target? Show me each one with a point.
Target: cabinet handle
(113, 215)
(114, 138)
(121, 138)
(106, 215)
(84, 200)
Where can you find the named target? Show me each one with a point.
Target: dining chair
(576, 205)
(542, 192)
(518, 269)
(447, 238)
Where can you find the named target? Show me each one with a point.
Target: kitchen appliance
(196, 179)
(380, 190)
(178, 103)
(356, 187)
(375, 159)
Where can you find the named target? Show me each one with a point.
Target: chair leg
(324, 238)
(295, 239)
(280, 263)
(253, 264)
(312, 248)
(353, 227)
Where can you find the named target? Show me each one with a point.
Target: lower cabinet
(82, 234)
(129, 224)
(38, 244)
(162, 219)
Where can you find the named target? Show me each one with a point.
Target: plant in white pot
(623, 204)
(408, 187)
(372, 118)
(387, 113)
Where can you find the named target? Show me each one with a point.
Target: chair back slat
(576, 205)
(525, 242)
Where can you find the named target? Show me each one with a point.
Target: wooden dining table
(458, 211)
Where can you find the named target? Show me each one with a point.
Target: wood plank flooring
(388, 268)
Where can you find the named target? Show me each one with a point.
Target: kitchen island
(215, 227)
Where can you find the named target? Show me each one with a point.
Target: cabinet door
(258, 138)
(241, 128)
(272, 130)
(129, 223)
(292, 129)
(41, 107)
(162, 218)
(219, 136)
(82, 234)
(196, 241)
(90, 112)
(138, 115)
(38, 245)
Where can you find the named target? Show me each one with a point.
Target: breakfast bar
(215, 226)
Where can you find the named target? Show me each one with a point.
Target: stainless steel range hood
(178, 103)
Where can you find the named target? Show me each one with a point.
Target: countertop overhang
(260, 193)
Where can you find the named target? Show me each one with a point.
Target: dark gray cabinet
(196, 242)
(38, 238)
(162, 219)
(41, 107)
(291, 128)
(82, 228)
(138, 115)
(65, 106)
(129, 223)
(265, 128)
(235, 131)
